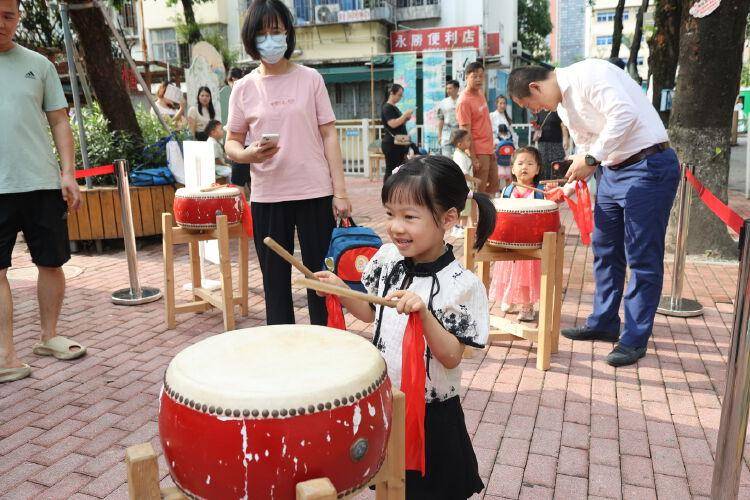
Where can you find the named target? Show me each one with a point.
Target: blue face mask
(271, 47)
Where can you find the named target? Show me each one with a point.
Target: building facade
(569, 34)
(600, 25)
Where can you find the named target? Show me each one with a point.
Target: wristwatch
(591, 161)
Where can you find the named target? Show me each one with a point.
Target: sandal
(12, 374)
(59, 347)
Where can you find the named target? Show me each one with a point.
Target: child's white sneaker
(527, 313)
(508, 308)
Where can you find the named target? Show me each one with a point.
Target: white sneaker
(527, 313)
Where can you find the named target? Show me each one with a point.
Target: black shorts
(43, 218)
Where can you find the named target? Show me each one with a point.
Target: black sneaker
(586, 333)
(623, 355)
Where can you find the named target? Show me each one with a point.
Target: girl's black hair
(537, 158)
(394, 88)
(211, 112)
(458, 136)
(210, 126)
(264, 13)
(436, 183)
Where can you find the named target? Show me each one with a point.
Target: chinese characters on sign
(435, 39)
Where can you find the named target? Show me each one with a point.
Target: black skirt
(452, 472)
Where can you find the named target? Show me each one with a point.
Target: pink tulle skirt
(516, 282)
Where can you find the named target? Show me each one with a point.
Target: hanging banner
(461, 59)
(405, 74)
(433, 91)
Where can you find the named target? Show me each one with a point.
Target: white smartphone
(269, 139)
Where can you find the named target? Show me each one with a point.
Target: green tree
(193, 29)
(40, 26)
(534, 24)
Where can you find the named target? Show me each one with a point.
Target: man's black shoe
(623, 355)
(585, 333)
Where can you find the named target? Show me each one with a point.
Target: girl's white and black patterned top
(455, 296)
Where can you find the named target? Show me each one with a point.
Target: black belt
(641, 155)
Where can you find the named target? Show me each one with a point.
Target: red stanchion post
(674, 304)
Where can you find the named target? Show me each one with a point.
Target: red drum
(196, 209)
(251, 413)
(521, 222)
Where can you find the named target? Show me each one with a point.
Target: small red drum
(521, 222)
(251, 413)
(196, 209)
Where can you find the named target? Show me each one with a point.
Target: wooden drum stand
(204, 299)
(547, 334)
(389, 482)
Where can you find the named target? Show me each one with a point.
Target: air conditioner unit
(325, 14)
(516, 50)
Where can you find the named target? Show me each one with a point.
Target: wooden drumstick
(271, 243)
(321, 286)
(528, 187)
(211, 188)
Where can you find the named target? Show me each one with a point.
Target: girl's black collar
(425, 269)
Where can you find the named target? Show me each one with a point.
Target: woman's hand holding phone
(258, 153)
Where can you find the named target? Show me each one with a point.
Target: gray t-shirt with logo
(29, 87)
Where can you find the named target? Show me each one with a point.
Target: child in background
(517, 283)
(215, 134)
(504, 152)
(419, 272)
(461, 141)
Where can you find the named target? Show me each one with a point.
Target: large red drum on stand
(522, 222)
(196, 209)
(251, 413)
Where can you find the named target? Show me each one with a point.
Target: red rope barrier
(89, 172)
(723, 212)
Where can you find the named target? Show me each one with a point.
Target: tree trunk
(635, 46)
(103, 73)
(194, 32)
(710, 63)
(617, 33)
(664, 47)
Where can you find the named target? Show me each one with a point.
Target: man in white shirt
(446, 112)
(620, 138)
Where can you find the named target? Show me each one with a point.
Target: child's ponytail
(487, 219)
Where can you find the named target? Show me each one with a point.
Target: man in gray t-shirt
(34, 195)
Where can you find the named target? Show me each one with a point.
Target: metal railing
(360, 139)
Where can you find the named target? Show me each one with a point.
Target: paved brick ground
(582, 429)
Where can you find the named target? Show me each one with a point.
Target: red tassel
(247, 217)
(582, 211)
(413, 378)
(335, 313)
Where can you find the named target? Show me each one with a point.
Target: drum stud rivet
(301, 411)
(275, 413)
(292, 412)
(358, 395)
(283, 412)
(246, 413)
(190, 403)
(321, 406)
(204, 408)
(181, 399)
(358, 449)
(351, 399)
(219, 410)
(256, 413)
(337, 402)
(236, 413)
(228, 412)
(264, 413)
(328, 406)
(311, 409)
(211, 409)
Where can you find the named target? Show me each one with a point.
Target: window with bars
(604, 40)
(608, 16)
(164, 46)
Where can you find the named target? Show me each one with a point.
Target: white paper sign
(200, 172)
(702, 8)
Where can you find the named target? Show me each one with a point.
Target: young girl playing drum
(517, 283)
(423, 199)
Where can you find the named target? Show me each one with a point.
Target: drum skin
(521, 225)
(262, 453)
(198, 210)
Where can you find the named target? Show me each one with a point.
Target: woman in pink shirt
(299, 182)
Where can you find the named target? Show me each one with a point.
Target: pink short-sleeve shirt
(292, 105)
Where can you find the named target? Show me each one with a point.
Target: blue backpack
(507, 192)
(158, 176)
(350, 251)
